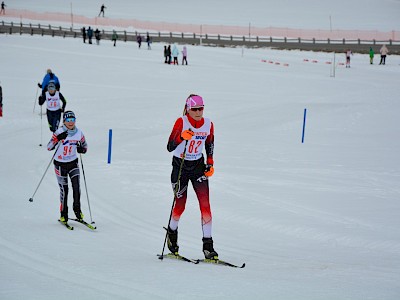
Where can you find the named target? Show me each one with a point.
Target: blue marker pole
(109, 145)
(304, 125)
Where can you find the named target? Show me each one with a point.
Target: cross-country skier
(53, 98)
(348, 54)
(71, 141)
(102, 10)
(190, 135)
(46, 79)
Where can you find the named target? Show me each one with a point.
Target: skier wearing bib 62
(71, 141)
(190, 135)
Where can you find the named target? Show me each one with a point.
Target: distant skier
(46, 79)
(3, 8)
(53, 98)
(184, 55)
(348, 54)
(148, 41)
(384, 51)
(66, 163)
(371, 55)
(102, 10)
(190, 135)
(139, 40)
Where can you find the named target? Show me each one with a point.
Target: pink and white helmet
(194, 101)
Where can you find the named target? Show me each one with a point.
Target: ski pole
(31, 199)
(173, 202)
(87, 195)
(34, 103)
(41, 127)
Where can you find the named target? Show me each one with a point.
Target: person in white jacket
(384, 51)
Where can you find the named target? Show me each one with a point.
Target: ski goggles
(70, 120)
(197, 108)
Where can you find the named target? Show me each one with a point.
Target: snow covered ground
(312, 220)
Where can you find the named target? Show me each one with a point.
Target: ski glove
(209, 171)
(39, 85)
(187, 134)
(62, 135)
(80, 148)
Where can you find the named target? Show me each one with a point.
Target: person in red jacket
(191, 135)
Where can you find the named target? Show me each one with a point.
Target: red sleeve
(210, 146)
(175, 136)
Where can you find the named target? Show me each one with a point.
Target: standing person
(3, 8)
(53, 98)
(1, 101)
(384, 51)
(97, 36)
(169, 54)
(66, 163)
(175, 53)
(90, 34)
(102, 10)
(139, 40)
(148, 40)
(184, 55)
(114, 37)
(371, 55)
(348, 54)
(165, 54)
(46, 79)
(190, 135)
(84, 35)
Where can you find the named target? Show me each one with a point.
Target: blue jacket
(47, 78)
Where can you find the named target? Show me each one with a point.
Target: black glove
(80, 148)
(41, 101)
(39, 85)
(62, 135)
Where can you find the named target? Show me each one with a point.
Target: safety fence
(328, 44)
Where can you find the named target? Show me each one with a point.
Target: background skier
(66, 163)
(46, 79)
(190, 135)
(53, 98)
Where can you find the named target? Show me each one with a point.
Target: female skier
(190, 135)
(70, 140)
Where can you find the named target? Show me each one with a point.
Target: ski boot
(172, 240)
(208, 249)
(79, 215)
(64, 219)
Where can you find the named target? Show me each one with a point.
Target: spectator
(169, 54)
(84, 34)
(384, 51)
(1, 101)
(114, 37)
(148, 40)
(139, 40)
(102, 10)
(97, 36)
(348, 54)
(371, 56)
(90, 34)
(165, 54)
(175, 53)
(184, 54)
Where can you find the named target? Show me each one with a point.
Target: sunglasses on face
(197, 109)
(70, 120)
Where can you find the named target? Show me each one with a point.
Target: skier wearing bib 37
(71, 140)
(190, 135)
